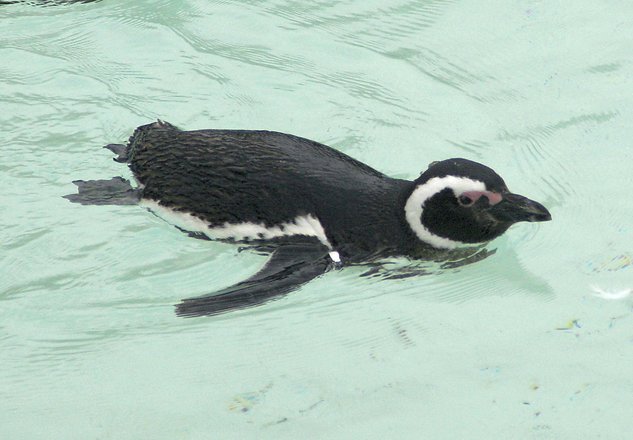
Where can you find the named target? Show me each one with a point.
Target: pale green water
(516, 346)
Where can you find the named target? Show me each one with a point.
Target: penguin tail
(124, 151)
(142, 138)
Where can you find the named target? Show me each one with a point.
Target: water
(516, 346)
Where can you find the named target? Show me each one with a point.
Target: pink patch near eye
(493, 197)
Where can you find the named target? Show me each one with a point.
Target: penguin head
(457, 202)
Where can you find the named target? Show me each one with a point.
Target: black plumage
(234, 176)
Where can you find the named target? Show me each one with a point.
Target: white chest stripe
(307, 225)
(415, 205)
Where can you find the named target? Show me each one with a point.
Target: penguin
(307, 205)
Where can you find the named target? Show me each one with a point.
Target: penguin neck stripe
(415, 206)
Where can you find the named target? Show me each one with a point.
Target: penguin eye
(465, 201)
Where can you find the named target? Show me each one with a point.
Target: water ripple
(535, 158)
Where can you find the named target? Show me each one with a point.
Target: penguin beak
(515, 208)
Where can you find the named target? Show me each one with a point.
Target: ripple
(367, 25)
(25, 238)
(46, 2)
(359, 84)
(69, 43)
(448, 72)
(473, 148)
(550, 168)
(388, 31)
(359, 87)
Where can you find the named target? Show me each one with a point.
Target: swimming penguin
(311, 207)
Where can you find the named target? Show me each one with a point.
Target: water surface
(515, 346)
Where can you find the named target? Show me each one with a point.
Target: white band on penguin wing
(415, 205)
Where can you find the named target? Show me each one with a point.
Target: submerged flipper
(288, 268)
(116, 191)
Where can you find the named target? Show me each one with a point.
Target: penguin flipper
(288, 268)
(116, 191)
